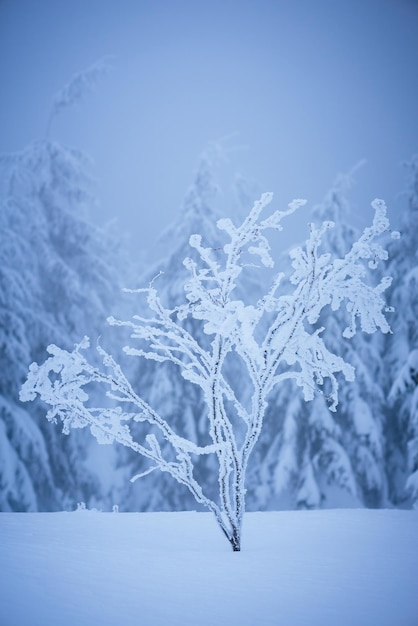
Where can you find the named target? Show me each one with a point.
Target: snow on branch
(407, 379)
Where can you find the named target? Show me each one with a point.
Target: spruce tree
(400, 354)
(310, 457)
(59, 277)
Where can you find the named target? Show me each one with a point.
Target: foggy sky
(311, 87)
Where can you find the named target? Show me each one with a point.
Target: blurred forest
(61, 277)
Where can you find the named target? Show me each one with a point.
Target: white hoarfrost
(272, 340)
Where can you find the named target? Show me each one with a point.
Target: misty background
(293, 93)
(303, 90)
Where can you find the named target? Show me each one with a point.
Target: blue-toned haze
(311, 88)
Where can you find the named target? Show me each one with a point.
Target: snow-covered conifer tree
(273, 338)
(400, 355)
(308, 457)
(162, 384)
(58, 276)
(356, 462)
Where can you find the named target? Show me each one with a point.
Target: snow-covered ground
(336, 567)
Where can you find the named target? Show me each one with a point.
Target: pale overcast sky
(311, 86)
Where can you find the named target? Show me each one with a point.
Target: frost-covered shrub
(265, 342)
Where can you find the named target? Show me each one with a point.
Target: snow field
(336, 567)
